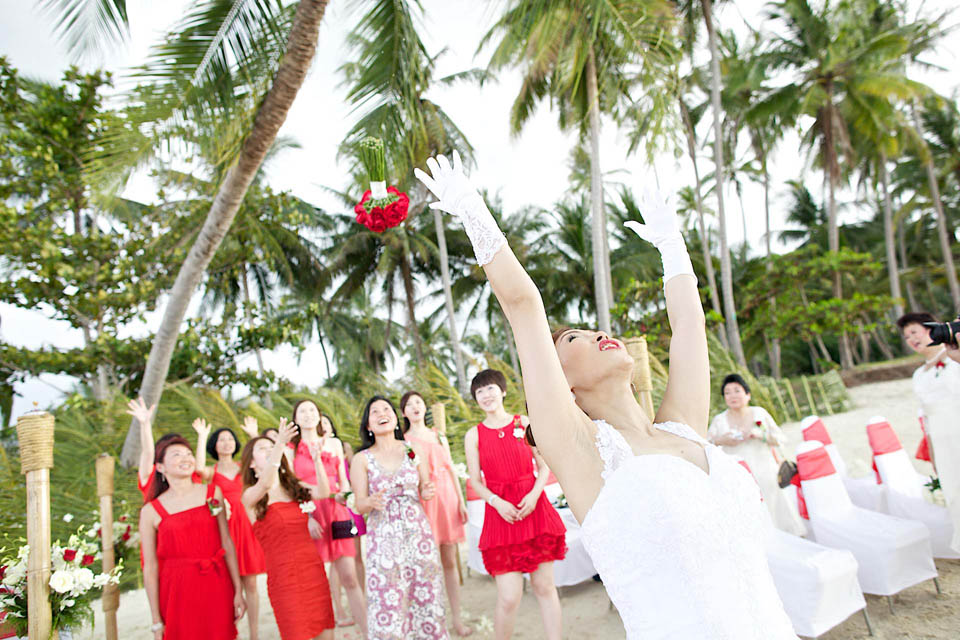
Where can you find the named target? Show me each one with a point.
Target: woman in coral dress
(222, 445)
(278, 504)
(447, 512)
(522, 532)
(338, 552)
(404, 597)
(190, 568)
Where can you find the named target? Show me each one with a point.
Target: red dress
(296, 582)
(507, 464)
(249, 554)
(328, 509)
(146, 488)
(196, 593)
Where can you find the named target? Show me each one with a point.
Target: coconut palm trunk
(773, 348)
(601, 263)
(701, 224)
(406, 274)
(301, 48)
(448, 302)
(726, 270)
(889, 238)
(248, 314)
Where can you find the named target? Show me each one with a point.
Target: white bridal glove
(662, 231)
(457, 196)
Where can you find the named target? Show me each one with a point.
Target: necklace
(936, 358)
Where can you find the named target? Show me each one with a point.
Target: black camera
(944, 332)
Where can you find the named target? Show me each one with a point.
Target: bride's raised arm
(687, 396)
(555, 418)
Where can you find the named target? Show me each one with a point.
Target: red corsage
(759, 423)
(410, 454)
(212, 504)
(940, 365)
(382, 217)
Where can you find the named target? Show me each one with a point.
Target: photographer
(937, 385)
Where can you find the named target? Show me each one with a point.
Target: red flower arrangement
(380, 218)
(381, 207)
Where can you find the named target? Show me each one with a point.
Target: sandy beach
(920, 612)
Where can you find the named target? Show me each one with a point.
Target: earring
(369, 433)
(163, 477)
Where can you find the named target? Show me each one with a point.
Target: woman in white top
(674, 526)
(937, 385)
(750, 433)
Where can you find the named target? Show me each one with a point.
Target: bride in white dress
(674, 526)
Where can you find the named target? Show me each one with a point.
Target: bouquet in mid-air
(381, 207)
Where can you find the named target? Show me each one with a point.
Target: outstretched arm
(252, 495)
(687, 396)
(559, 420)
(139, 410)
(202, 427)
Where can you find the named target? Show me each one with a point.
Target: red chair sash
(814, 464)
(801, 503)
(817, 431)
(882, 438)
(923, 449)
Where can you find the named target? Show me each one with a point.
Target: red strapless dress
(249, 554)
(507, 464)
(296, 582)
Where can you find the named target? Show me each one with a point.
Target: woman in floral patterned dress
(404, 578)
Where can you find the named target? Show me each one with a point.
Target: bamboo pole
(823, 394)
(783, 405)
(793, 398)
(806, 389)
(641, 379)
(111, 592)
(35, 435)
(439, 412)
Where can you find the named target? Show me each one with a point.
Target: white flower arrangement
(308, 507)
(73, 582)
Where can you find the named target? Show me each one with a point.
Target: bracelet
(156, 626)
(491, 498)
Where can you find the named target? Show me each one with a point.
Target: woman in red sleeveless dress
(222, 445)
(522, 532)
(276, 501)
(190, 568)
(447, 511)
(338, 552)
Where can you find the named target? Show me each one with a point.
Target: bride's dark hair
(288, 480)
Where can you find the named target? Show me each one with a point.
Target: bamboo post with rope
(35, 436)
(111, 592)
(641, 379)
(439, 412)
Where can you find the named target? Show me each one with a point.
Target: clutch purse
(340, 529)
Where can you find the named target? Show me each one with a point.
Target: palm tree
(834, 52)
(578, 54)
(200, 55)
(387, 81)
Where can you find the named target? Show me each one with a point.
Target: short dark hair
(914, 317)
(212, 442)
(486, 378)
(737, 378)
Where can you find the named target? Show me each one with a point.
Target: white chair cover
(892, 553)
(863, 492)
(905, 495)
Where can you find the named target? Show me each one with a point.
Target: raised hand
(286, 431)
(202, 427)
(660, 219)
(250, 426)
(457, 196)
(139, 410)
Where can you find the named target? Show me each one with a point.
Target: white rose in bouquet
(83, 578)
(62, 581)
(101, 580)
(15, 574)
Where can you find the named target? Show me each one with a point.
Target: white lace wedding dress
(681, 552)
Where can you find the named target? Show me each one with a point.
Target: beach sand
(920, 612)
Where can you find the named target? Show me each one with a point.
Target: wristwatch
(156, 626)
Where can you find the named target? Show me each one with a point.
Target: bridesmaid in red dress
(339, 552)
(222, 445)
(447, 511)
(522, 532)
(275, 500)
(190, 567)
(146, 467)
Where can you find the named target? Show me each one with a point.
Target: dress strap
(612, 447)
(682, 430)
(159, 508)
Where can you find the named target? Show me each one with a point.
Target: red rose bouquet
(381, 207)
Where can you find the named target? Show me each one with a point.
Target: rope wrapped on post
(111, 593)
(641, 379)
(35, 435)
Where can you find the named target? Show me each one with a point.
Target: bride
(673, 525)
